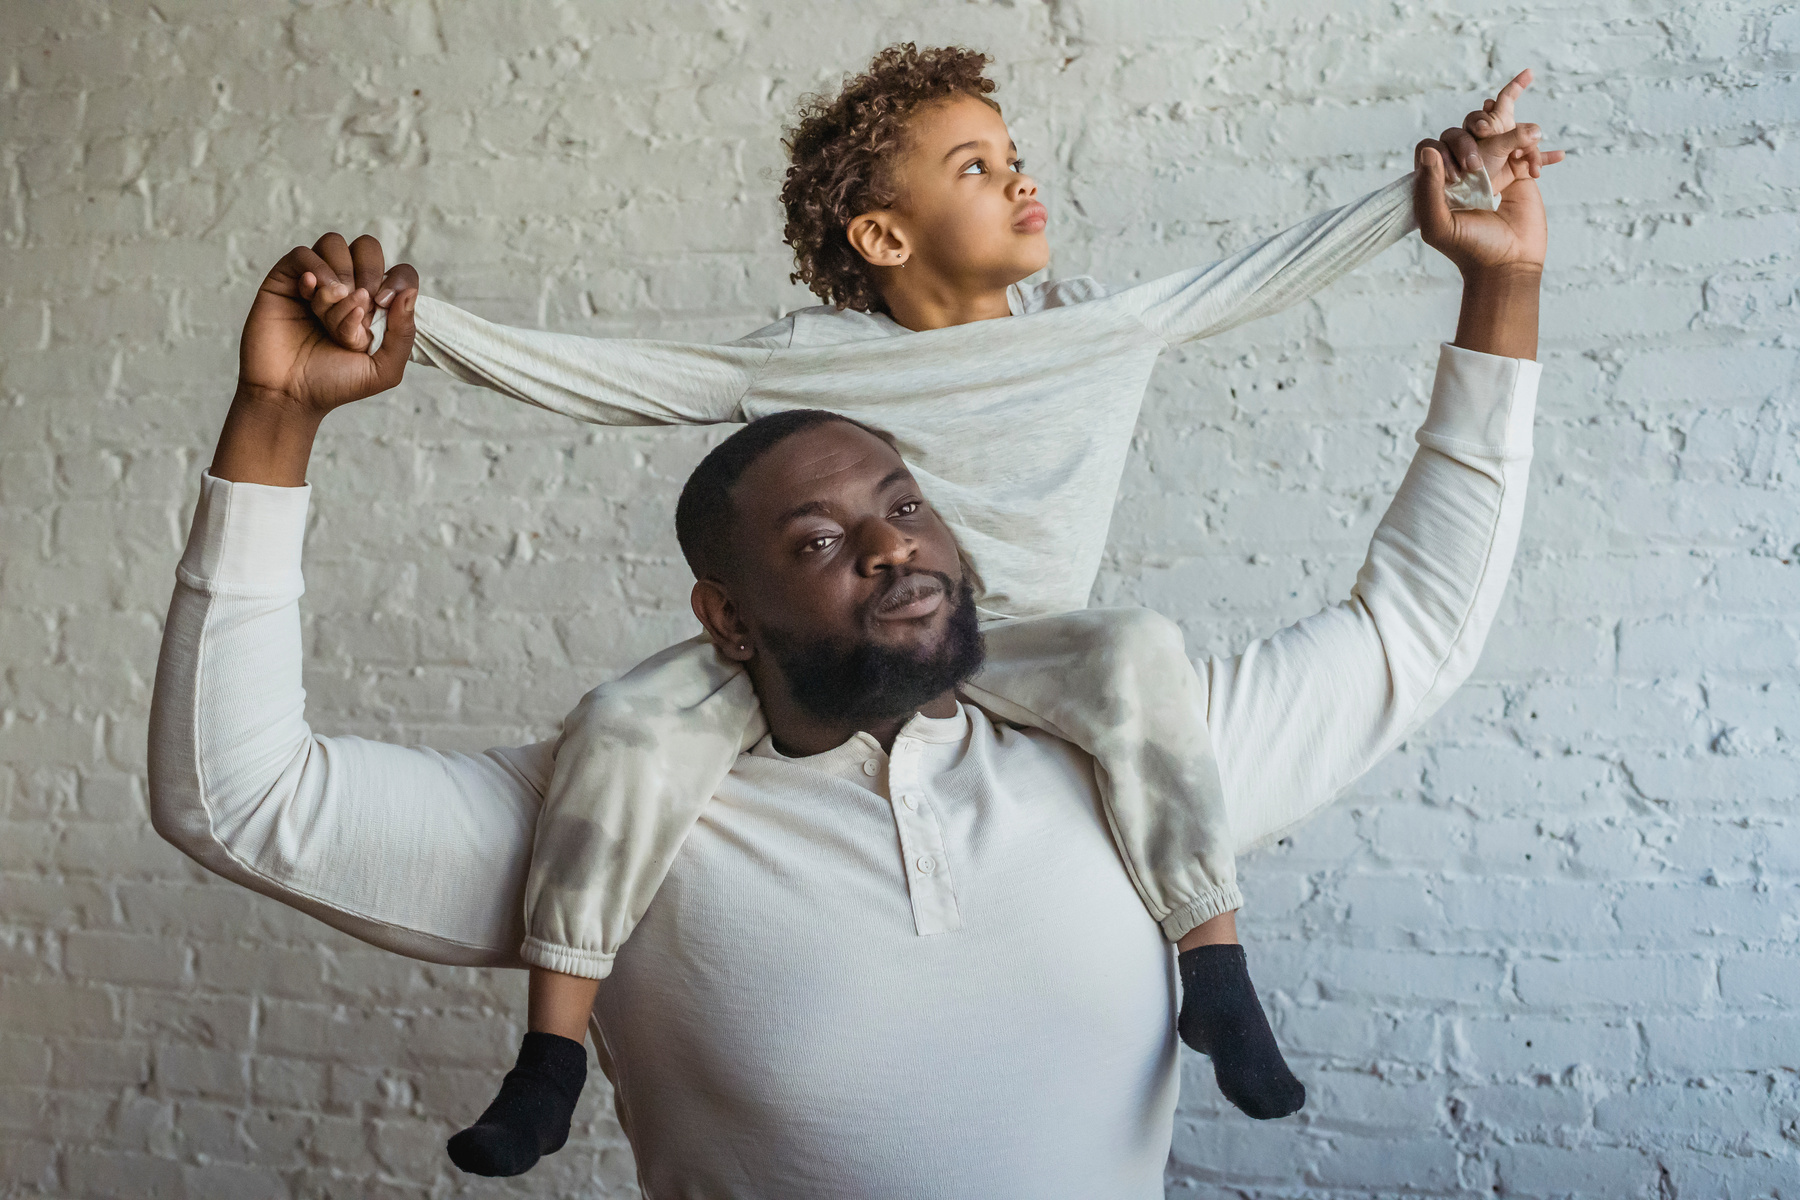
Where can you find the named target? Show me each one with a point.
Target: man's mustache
(913, 585)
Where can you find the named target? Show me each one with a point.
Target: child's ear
(878, 238)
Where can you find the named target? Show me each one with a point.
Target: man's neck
(801, 734)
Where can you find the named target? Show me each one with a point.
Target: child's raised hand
(351, 277)
(1492, 137)
(1494, 124)
(1496, 115)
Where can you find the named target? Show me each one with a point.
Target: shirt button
(909, 802)
(870, 767)
(926, 865)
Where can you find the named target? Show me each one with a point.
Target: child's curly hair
(839, 151)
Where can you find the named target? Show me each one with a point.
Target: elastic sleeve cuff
(1482, 404)
(246, 538)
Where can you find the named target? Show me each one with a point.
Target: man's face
(846, 579)
(970, 215)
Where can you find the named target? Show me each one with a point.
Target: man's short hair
(704, 516)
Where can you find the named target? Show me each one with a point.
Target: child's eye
(907, 509)
(815, 545)
(1018, 166)
(975, 168)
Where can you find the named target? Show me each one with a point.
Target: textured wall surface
(1550, 948)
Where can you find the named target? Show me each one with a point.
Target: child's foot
(530, 1116)
(1221, 1018)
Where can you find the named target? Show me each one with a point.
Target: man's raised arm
(1299, 715)
(413, 851)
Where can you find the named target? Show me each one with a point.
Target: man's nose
(881, 547)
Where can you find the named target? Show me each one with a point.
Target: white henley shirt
(918, 976)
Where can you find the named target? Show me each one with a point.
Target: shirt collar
(847, 759)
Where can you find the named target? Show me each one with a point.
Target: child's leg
(1220, 931)
(560, 1004)
(1119, 684)
(530, 1116)
(639, 758)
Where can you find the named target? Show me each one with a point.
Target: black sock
(530, 1116)
(1221, 1018)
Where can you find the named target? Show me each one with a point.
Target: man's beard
(870, 682)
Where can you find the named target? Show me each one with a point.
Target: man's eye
(907, 509)
(822, 542)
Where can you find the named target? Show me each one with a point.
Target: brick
(43, 1007)
(1697, 1046)
(1534, 1107)
(99, 1173)
(1760, 980)
(1710, 1116)
(1584, 1171)
(24, 1061)
(101, 1064)
(1633, 983)
(125, 958)
(1521, 1045)
(230, 1181)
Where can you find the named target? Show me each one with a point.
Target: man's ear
(877, 236)
(719, 616)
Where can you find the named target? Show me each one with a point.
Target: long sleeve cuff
(1481, 404)
(246, 538)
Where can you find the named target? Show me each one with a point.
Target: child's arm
(1299, 261)
(605, 381)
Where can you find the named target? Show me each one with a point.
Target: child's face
(966, 212)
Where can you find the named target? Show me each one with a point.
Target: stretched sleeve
(1299, 715)
(1289, 266)
(605, 381)
(411, 850)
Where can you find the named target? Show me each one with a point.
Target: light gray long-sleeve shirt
(1061, 380)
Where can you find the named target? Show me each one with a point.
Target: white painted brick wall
(1550, 948)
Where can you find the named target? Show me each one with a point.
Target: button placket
(928, 880)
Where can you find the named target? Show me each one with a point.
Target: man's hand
(1493, 137)
(1476, 241)
(344, 280)
(1500, 255)
(290, 373)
